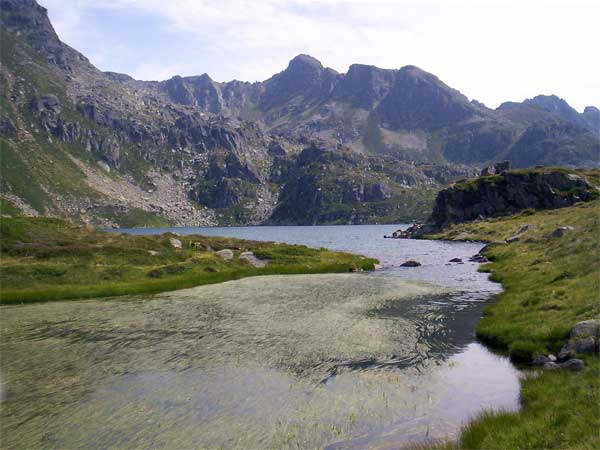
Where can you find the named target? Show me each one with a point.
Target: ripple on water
(343, 360)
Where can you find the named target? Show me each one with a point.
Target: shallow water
(343, 360)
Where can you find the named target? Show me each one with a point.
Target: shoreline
(550, 282)
(52, 260)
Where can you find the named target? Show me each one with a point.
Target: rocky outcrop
(497, 168)
(507, 194)
(584, 339)
(340, 186)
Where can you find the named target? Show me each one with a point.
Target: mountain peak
(556, 105)
(30, 19)
(305, 61)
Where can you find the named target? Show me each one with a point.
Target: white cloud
(490, 50)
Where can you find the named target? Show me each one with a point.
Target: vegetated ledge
(46, 259)
(550, 271)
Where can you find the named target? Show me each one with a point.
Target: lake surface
(377, 360)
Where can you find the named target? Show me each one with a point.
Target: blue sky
(491, 50)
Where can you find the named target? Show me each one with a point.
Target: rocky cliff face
(308, 145)
(507, 193)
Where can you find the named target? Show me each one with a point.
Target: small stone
(524, 228)
(478, 259)
(226, 254)
(175, 243)
(153, 253)
(586, 328)
(573, 364)
(540, 360)
(567, 352)
(551, 366)
(410, 263)
(104, 166)
(552, 358)
(456, 260)
(560, 232)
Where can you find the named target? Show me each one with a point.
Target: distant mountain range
(308, 145)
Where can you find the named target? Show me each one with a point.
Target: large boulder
(573, 364)
(175, 243)
(586, 328)
(226, 254)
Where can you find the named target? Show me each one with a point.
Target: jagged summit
(193, 150)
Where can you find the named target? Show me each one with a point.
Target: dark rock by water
(410, 263)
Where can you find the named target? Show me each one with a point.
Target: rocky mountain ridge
(308, 145)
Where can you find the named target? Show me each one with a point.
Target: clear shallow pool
(346, 360)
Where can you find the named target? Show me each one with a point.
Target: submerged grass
(550, 283)
(47, 259)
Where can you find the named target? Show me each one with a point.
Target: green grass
(47, 259)
(8, 208)
(549, 285)
(18, 179)
(134, 217)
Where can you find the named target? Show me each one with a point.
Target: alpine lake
(386, 359)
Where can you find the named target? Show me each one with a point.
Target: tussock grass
(46, 259)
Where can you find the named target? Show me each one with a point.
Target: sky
(491, 50)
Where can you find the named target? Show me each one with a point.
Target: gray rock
(175, 243)
(502, 166)
(525, 228)
(487, 171)
(573, 364)
(478, 259)
(586, 345)
(104, 166)
(586, 328)
(490, 245)
(226, 254)
(253, 260)
(552, 358)
(567, 351)
(551, 366)
(153, 253)
(410, 263)
(540, 360)
(560, 232)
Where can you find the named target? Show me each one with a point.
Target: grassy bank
(550, 283)
(49, 259)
